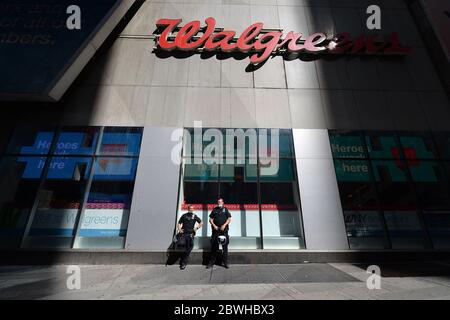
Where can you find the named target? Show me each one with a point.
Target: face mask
(220, 205)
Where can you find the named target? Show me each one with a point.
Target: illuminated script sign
(260, 43)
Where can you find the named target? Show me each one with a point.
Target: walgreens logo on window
(260, 43)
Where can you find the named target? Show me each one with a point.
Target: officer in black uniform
(220, 218)
(187, 229)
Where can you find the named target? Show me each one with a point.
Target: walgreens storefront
(319, 134)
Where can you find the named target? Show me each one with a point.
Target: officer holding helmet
(220, 219)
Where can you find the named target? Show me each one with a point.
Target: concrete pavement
(290, 281)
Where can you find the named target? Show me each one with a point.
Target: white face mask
(220, 205)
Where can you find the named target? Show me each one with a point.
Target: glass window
(442, 140)
(43, 210)
(438, 224)
(365, 230)
(31, 141)
(210, 142)
(105, 218)
(347, 144)
(59, 202)
(240, 143)
(395, 190)
(407, 174)
(18, 189)
(280, 204)
(356, 188)
(236, 180)
(239, 188)
(382, 145)
(200, 188)
(275, 143)
(404, 230)
(77, 141)
(431, 184)
(201, 183)
(417, 146)
(233, 143)
(121, 141)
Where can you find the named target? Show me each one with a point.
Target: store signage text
(262, 43)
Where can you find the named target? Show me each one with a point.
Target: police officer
(220, 218)
(187, 228)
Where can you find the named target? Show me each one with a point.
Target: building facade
(363, 140)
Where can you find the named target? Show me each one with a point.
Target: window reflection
(408, 177)
(59, 202)
(238, 185)
(356, 188)
(365, 230)
(442, 140)
(280, 204)
(121, 141)
(201, 183)
(438, 223)
(200, 188)
(105, 218)
(347, 144)
(31, 141)
(417, 145)
(382, 145)
(404, 230)
(431, 184)
(77, 141)
(60, 196)
(239, 182)
(395, 191)
(18, 191)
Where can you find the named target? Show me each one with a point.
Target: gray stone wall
(130, 85)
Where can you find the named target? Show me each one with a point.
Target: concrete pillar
(323, 219)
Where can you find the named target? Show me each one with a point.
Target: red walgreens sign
(261, 43)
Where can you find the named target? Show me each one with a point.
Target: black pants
(215, 247)
(187, 249)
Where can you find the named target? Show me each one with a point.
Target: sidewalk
(298, 281)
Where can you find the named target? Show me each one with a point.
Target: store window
(18, 190)
(394, 189)
(21, 168)
(442, 141)
(418, 145)
(257, 181)
(365, 229)
(356, 187)
(65, 192)
(31, 141)
(59, 201)
(382, 145)
(200, 188)
(105, 218)
(347, 144)
(360, 204)
(399, 181)
(280, 205)
(405, 230)
(438, 224)
(239, 187)
(77, 141)
(431, 183)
